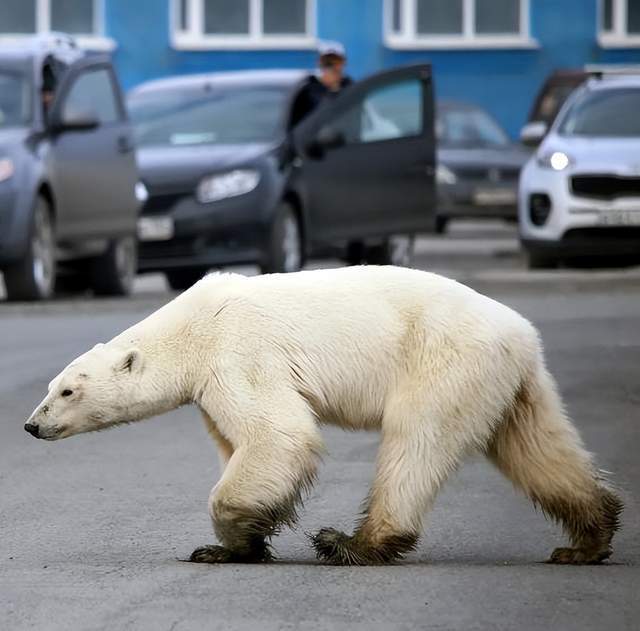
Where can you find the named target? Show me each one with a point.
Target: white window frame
(619, 36)
(194, 37)
(93, 41)
(408, 38)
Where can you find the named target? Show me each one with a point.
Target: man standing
(326, 84)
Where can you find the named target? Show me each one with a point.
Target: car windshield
(209, 115)
(468, 127)
(609, 113)
(15, 99)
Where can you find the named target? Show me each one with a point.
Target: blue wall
(503, 81)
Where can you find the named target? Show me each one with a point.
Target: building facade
(492, 52)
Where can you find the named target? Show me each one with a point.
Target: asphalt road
(93, 529)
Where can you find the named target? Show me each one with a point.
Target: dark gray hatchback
(68, 178)
(232, 181)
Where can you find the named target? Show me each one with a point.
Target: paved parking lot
(94, 529)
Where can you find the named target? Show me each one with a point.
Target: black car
(478, 165)
(68, 206)
(231, 182)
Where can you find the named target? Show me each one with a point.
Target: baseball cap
(328, 47)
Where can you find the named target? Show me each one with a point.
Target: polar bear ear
(130, 362)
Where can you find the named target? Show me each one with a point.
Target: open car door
(367, 165)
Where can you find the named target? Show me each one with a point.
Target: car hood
(505, 158)
(601, 154)
(10, 139)
(173, 168)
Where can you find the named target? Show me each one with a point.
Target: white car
(579, 194)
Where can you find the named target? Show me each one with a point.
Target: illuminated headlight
(556, 160)
(142, 194)
(6, 169)
(232, 184)
(444, 175)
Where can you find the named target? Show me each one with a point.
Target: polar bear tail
(537, 447)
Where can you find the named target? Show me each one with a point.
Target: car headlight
(142, 194)
(6, 169)
(556, 160)
(444, 175)
(231, 184)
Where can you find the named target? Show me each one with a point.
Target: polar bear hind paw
(220, 554)
(337, 548)
(579, 556)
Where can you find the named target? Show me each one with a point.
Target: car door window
(92, 93)
(387, 112)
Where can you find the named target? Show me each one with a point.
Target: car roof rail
(599, 71)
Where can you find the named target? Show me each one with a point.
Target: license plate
(155, 228)
(494, 197)
(620, 218)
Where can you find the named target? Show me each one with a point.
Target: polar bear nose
(32, 429)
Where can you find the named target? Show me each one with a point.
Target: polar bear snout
(33, 429)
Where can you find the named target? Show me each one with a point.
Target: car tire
(34, 276)
(113, 273)
(284, 252)
(355, 253)
(539, 260)
(398, 250)
(181, 279)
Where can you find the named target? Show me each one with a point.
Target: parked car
(67, 171)
(580, 193)
(230, 181)
(478, 165)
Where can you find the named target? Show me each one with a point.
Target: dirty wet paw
(211, 554)
(578, 556)
(336, 547)
(220, 554)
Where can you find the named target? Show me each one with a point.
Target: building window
(619, 23)
(211, 24)
(457, 24)
(81, 18)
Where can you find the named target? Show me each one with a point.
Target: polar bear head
(97, 390)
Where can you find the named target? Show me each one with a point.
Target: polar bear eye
(67, 393)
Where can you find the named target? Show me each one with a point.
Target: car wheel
(113, 273)
(284, 252)
(181, 279)
(537, 260)
(397, 250)
(34, 276)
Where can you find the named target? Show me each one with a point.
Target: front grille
(187, 246)
(162, 204)
(605, 186)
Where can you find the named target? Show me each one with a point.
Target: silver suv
(579, 194)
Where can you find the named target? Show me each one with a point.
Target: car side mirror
(532, 133)
(327, 138)
(75, 121)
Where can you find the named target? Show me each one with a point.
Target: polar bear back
(348, 339)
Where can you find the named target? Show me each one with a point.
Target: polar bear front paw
(220, 554)
(578, 556)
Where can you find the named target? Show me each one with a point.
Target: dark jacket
(312, 95)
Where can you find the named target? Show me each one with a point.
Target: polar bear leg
(263, 483)
(225, 448)
(416, 455)
(539, 449)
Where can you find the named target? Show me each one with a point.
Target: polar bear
(439, 369)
